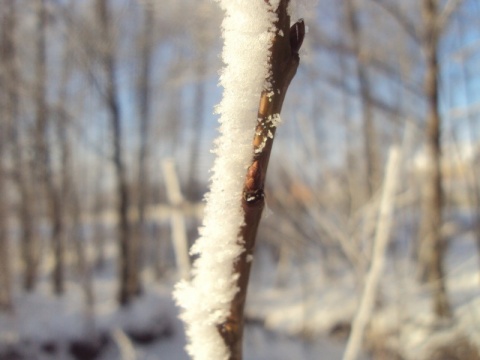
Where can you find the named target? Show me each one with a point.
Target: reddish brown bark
(284, 63)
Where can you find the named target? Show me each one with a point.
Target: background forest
(106, 125)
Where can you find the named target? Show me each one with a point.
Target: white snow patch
(275, 119)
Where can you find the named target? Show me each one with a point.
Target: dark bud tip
(297, 33)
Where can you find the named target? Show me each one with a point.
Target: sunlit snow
(247, 32)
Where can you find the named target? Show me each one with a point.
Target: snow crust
(247, 31)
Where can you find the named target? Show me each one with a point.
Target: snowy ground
(306, 317)
(43, 327)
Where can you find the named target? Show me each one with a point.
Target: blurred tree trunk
(5, 268)
(370, 141)
(433, 245)
(11, 84)
(128, 274)
(8, 103)
(144, 112)
(99, 205)
(99, 232)
(69, 194)
(355, 199)
(44, 171)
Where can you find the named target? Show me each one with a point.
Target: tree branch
(444, 19)
(284, 61)
(404, 22)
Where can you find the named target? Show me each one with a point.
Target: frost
(260, 147)
(247, 31)
(274, 120)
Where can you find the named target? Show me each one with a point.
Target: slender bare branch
(402, 20)
(284, 62)
(446, 14)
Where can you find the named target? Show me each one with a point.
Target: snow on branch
(248, 29)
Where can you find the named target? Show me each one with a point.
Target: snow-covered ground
(45, 327)
(305, 316)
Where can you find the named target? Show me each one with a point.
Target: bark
(128, 274)
(284, 62)
(433, 200)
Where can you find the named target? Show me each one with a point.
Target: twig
(284, 61)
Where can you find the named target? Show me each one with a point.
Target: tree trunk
(11, 83)
(433, 201)
(54, 203)
(370, 141)
(8, 114)
(284, 62)
(129, 280)
(5, 267)
(21, 174)
(144, 110)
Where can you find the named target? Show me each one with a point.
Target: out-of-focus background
(106, 126)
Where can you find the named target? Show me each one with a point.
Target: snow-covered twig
(261, 58)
